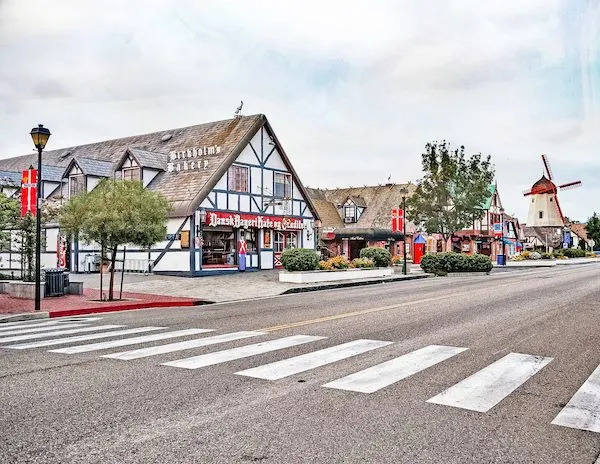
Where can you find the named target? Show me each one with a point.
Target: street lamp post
(40, 136)
(404, 192)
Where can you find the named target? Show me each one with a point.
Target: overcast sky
(354, 89)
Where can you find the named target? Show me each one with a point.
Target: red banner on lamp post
(29, 192)
(397, 220)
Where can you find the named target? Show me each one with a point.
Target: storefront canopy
(360, 233)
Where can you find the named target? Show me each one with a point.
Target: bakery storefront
(262, 237)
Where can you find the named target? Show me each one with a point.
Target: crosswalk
(479, 391)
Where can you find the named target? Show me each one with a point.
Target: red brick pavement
(70, 305)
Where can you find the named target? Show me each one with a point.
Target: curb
(317, 288)
(24, 317)
(127, 307)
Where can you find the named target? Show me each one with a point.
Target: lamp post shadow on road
(40, 136)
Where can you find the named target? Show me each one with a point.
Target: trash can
(501, 260)
(54, 282)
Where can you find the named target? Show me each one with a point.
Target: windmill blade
(527, 192)
(547, 166)
(571, 185)
(562, 217)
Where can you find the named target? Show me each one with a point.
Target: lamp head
(40, 136)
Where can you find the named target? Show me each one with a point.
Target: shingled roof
(378, 201)
(186, 189)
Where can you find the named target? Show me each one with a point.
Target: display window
(249, 236)
(219, 247)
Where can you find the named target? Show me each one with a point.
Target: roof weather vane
(239, 109)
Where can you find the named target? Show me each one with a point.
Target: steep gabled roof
(378, 203)
(185, 189)
(147, 159)
(90, 167)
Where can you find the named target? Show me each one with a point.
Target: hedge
(380, 256)
(443, 263)
(573, 253)
(300, 259)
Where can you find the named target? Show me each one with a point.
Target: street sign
(29, 192)
(397, 220)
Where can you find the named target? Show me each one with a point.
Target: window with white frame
(283, 185)
(349, 213)
(237, 178)
(279, 242)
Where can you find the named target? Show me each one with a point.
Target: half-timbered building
(229, 182)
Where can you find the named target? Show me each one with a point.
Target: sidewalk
(154, 291)
(225, 287)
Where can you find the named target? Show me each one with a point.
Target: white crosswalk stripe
(83, 338)
(57, 333)
(128, 341)
(382, 375)
(583, 410)
(179, 346)
(8, 326)
(487, 387)
(305, 362)
(242, 352)
(38, 329)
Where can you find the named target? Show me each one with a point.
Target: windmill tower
(544, 208)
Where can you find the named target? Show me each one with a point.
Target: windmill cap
(543, 185)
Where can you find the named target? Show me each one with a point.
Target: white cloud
(354, 89)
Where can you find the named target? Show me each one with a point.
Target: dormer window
(130, 169)
(131, 174)
(350, 213)
(76, 184)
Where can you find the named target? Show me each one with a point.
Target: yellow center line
(360, 312)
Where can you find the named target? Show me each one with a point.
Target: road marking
(129, 341)
(486, 388)
(361, 312)
(19, 325)
(38, 329)
(242, 352)
(82, 338)
(382, 375)
(56, 333)
(305, 362)
(179, 346)
(583, 410)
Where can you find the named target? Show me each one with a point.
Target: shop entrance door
(355, 247)
(281, 242)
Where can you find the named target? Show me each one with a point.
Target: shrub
(442, 263)
(325, 266)
(380, 256)
(339, 262)
(547, 256)
(299, 259)
(362, 263)
(574, 253)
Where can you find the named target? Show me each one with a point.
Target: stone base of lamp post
(25, 290)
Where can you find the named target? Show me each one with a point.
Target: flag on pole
(397, 220)
(29, 192)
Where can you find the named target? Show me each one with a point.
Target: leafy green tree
(593, 230)
(9, 213)
(116, 213)
(452, 190)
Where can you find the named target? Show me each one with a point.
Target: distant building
(357, 217)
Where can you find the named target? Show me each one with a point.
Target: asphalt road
(80, 407)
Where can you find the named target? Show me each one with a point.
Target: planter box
(333, 276)
(75, 288)
(25, 290)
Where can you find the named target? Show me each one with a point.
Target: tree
(9, 212)
(593, 230)
(452, 190)
(116, 213)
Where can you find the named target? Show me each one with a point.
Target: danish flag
(29, 192)
(397, 220)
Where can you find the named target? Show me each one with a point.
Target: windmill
(544, 209)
